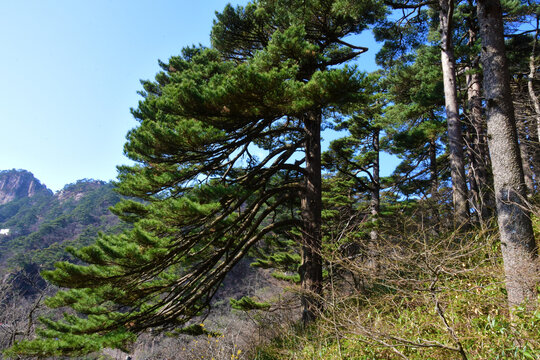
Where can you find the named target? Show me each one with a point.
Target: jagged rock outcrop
(17, 184)
(78, 190)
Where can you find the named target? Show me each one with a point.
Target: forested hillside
(437, 261)
(39, 225)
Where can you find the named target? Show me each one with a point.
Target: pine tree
(325, 24)
(475, 130)
(416, 127)
(520, 254)
(202, 199)
(420, 19)
(519, 49)
(356, 157)
(455, 136)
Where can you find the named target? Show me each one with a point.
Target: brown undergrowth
(421, 295)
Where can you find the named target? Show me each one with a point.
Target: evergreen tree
(356, 157)
(423, 18)
(325, 24)
(520, 254)
(455, 135)
(519, 50)
(475, 129)
(416, 123)
(204, 198)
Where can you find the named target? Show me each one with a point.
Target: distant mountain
(18, 184)
(36, 225)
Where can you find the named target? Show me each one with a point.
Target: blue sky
(70, 71)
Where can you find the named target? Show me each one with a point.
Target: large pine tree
(519, 250)
(201, 198)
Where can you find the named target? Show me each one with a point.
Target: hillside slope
(37, 225)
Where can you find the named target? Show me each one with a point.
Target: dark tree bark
(455, 136)
(536, 104)
(311, 206)
(433, 177)
(479, 154)
(375, 203)
(525, 152)
(480, 160)
(434, 184)
(517, 238)
(373, 260)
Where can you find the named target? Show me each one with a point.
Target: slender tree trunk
(433, 177)
(311, 204)
(373, 260)
(374, 207)
(455, 137)
(472, 177)
(534, 148)
(524, 153)
(375, 202)
(480, 162)
(517, 239)
(532, 72)
(536, 104)
(434, 184)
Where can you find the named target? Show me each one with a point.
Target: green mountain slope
(37, 228)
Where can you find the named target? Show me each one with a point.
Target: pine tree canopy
(198, 196)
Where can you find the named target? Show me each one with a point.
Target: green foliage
(246, 303)
(290, 277)
(44, 226)
(398, 283)
(282, 260)
(415, 123)
(75, 344)
(204, 199)
(20, 215)
(193, 330)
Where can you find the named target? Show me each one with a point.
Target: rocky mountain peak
(17, 184)
(79, 189)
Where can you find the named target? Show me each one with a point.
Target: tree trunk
(434, 184)
(524, 148)
(374, 208)
(433, 176)
(375, 202)
(534, 150)
(517, 239)
(536, 105)
(479, 162)
(455, 137)
(311, 205)
(472, 177)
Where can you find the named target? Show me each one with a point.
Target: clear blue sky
(70, 71)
